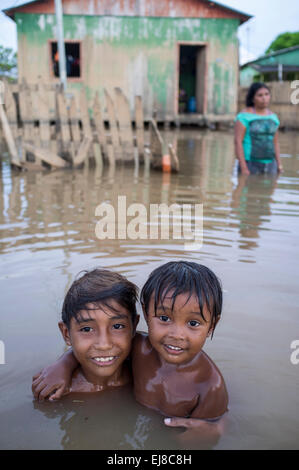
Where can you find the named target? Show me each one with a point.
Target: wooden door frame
(177, 78)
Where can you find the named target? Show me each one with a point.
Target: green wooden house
(181, 56)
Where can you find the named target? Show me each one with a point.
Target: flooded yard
(250, 240)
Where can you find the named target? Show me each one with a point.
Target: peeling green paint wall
(138, 54)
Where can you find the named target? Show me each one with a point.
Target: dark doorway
(72, 55)
(192, 79)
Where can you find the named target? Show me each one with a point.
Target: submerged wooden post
(9, 138)
(99, 125)
(85, 120)
(125, 126)
(139, 123)
(11, 110)
(75, 127)
(27, 117)
(113, 127)
(44, 116)
(63, 124)
(156, 144)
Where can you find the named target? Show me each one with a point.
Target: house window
(72, 56)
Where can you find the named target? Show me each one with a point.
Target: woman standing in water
(256, 134)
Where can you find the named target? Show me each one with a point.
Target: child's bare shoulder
(141, 343)
(213, 394)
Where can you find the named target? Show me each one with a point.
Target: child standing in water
(182, 303)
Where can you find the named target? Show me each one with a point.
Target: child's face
(101, 340)
(178, 335)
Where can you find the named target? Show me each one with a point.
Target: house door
(192, 73)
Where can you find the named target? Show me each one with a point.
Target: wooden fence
(47, 128)
(281, 103)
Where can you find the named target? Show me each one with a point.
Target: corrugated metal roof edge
(272, 54)
(245, 16)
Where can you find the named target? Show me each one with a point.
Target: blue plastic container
(192, 104)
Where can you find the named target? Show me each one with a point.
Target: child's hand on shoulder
(51, 383)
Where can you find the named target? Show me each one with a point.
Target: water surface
(47, 235)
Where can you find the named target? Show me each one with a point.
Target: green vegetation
(8, 63)
(283, 41)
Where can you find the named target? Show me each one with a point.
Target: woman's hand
(279, 168)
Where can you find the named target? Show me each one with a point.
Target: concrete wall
(138, 54)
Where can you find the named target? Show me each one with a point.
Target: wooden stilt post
(113, 128)
(99, 125)
(64, 124)
(85, 119)
(9, 138)
(125, 127)
(139, 123)
(75, 127)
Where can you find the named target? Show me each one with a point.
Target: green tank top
(258, 143)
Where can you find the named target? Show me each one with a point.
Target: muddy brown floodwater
(47, 235)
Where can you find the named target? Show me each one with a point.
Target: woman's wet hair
(252, 91)
(99, 287)
(184, 277)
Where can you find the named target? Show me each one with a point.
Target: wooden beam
(113, 127)
(125, 126)
(139, 123)
(46, 156)
(9, 138)
(82, 152)
(99, 125)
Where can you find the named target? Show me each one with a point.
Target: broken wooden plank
(43, 115)
(11, 110)
(84, 115)
(28, 115)
(9, 138)
(125, 126)
(113, 127)
(85, 120)
(139, 124)
(156, 144)
(82, 152)
(99, 124)
(46, 155)
(75, 127)
(63, 120)
(175, 165)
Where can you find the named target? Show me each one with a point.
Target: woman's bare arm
(240, 131)
(277, 152)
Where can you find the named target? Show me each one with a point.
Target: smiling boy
(99, 319)
(182, 304)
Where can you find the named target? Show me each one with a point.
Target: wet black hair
(98, 287)
(252, 91)
(183, 277)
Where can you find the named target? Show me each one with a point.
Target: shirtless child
(99, 319)
(182, 303)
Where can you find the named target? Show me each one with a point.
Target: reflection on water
(47, 227)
